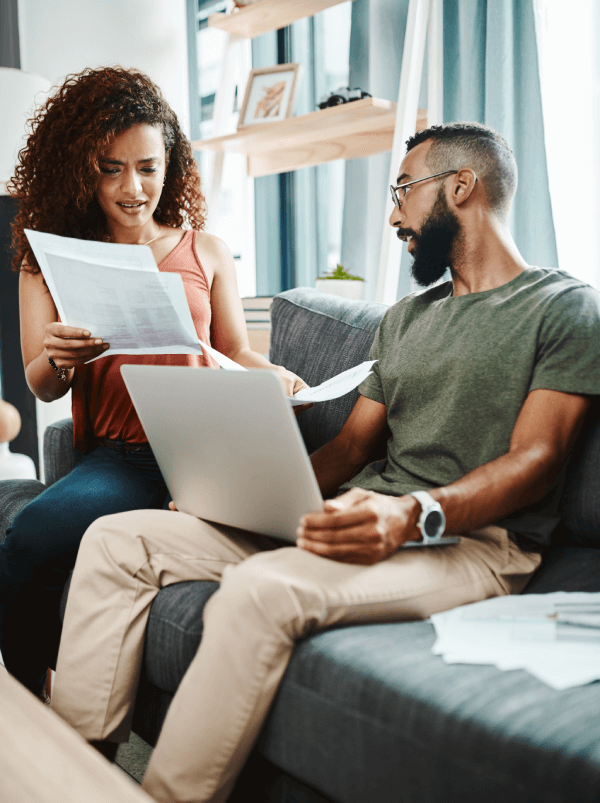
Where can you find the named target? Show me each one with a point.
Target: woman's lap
(40, 549)
(53, 523)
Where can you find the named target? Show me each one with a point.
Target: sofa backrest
(317, 336)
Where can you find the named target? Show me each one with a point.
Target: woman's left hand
(291, 385)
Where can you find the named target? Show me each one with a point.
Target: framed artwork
(269, 95)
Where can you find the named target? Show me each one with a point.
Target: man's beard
(434, 243)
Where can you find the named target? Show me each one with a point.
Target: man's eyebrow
(402, 177)
(117, 162)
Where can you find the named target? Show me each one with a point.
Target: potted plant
(341, 283)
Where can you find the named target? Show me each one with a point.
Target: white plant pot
(347, 288)
(15, 466)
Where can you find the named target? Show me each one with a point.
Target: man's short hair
(484, 150)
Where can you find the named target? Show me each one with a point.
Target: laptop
(228, 446)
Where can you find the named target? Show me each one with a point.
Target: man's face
(425, 220)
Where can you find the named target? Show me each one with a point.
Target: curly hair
(57, 171)
(457, 145)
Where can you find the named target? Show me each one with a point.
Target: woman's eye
(109, 171)
(149, 169)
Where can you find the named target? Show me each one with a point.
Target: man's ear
(463, 186)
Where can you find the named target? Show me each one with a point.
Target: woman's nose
(132, 183)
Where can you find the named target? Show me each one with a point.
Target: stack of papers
(117, 292)
(555, 637)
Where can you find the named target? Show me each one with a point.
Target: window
(569, 56)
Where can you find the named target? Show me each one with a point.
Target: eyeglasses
(404, 187)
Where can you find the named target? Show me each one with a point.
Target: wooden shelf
(349, 131)
(267, 15)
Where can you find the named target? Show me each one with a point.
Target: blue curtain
(491, 76)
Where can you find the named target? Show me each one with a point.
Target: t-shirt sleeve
(371, 387)
(568, 354)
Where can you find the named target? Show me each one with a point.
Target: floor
(132, 757)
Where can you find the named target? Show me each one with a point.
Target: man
(484, 382)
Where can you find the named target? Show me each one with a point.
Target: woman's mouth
(131, 206)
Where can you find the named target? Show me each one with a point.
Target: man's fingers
(364, 554)
(172, 506)
(361, 532)
(338, 520)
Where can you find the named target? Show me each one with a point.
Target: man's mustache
(403, 234)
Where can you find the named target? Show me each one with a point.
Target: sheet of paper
(521, 632)
(336, 386)
(116, 292)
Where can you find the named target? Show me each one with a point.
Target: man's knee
(265, 587)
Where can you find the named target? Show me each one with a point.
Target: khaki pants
(268, 599)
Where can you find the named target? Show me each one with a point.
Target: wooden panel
(44, 760)
(352, 147)
(350, 131)
(267, 15)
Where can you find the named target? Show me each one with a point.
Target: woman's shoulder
(211, 245)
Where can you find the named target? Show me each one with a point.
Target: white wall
(65, 36)
(59, 37)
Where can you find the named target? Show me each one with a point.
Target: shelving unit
(268, 15)
(351, 130)
(357, 129)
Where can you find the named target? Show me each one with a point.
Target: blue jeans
(40, 548)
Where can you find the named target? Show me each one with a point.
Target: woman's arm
(42, 336)
(228, 325)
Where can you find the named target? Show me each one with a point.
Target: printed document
(117, 292)
(541, 633)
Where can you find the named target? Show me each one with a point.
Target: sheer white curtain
(568, 38)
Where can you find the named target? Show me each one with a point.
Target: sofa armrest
(60, 455)
(14, 496)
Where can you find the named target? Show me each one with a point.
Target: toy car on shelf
(342, 95)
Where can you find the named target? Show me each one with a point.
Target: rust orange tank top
(102, 407)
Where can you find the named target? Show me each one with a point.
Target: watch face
(433, 523)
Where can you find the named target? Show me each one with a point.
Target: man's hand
(360, 527)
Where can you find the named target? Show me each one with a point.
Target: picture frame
(269, 95)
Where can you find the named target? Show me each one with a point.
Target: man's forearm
(497, 489)
(334, 464)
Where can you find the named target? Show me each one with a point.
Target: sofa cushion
(567, 568)
(368, 713)
(302, 321)
(14, 496)
(580, 503)
(59, 453)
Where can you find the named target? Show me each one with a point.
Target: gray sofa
(367, 713)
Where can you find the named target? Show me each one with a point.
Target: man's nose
(395, 216)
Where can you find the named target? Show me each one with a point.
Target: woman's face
(132, 174)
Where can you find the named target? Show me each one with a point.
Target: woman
(106, 160)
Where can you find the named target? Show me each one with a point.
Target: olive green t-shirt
(454, 372)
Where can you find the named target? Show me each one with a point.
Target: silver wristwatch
(432, 520)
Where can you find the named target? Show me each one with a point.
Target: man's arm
(340, 459)
(365, 527)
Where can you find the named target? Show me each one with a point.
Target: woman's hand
(68, 346)
(291, 385)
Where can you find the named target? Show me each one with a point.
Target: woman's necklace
(109, 239)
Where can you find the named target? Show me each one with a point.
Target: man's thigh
(411, 584)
